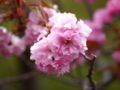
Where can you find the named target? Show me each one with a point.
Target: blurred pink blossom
(10, 43)
(116, 54)
(113, 6)
(102, 16)
(97, 34)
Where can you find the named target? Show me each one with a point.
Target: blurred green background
(14, 66)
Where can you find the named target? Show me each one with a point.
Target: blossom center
(67, 41)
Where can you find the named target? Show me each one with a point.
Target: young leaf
(36, 7)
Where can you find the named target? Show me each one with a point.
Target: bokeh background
(14, 66)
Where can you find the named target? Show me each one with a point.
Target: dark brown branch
(90, 72)
(27, 61)
(18, 78)
(34, 73)
(65, 81)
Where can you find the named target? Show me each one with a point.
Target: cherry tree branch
(65, 80)
(34, 73)
(18, 78)
(90, 71)
(27, 61)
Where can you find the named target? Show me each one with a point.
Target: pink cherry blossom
(66, 40)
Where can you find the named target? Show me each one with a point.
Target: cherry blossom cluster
(65, 40)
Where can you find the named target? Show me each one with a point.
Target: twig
(27, 61)
(34, 73)
(64, 80)
(18, 78)
(90, 72)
